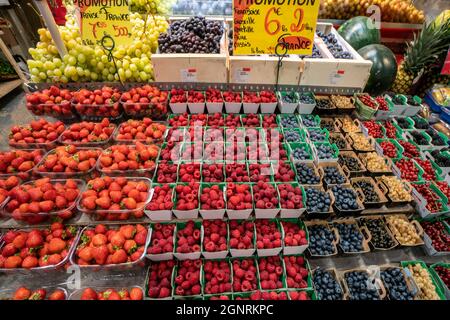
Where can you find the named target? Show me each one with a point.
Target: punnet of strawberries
(111, 245)
(104, 102)
(70, 160)
(38, 133)
(19, 163)
(115, 198)
(144, 130)
(122, 158)
(24, 293)
(134, 293)
(145, 101)
(54, 102)
(38, 200)
(37, 248)
(86, 133)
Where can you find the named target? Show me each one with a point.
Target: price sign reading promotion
(104, 17)
(259, 25)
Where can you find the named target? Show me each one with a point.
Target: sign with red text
(100, 18)
(260, 25)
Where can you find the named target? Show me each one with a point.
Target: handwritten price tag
(259, 25)
(97, 20)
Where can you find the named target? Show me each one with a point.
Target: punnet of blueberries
(193, 35)
(327, 124)
(420, 123)
(325, 151)
(326, 285)
(360, 287)
(350, 238)
(332, 175)
(317, 135)
(317, 201)
(370, 196)
(289, 97)
(345, 198)
(411, 101)
(435, 137)
(403, 123)
(339, 141)
(306, 174)
(324, 104)
(292, 136)
(299, 152)
(335, 48)
(395, 283)
(350, 162)
(440, 159)
(289, 121)
(310, 121)
(397, 100)
(378, 230)
(321, 240)
(306, 98)
(419, 138)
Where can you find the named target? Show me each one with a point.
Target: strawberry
(136, 294)
(100, 254)
(89, 294)
(120, 256)
(34, 239)
(22, 294)
(57, 295)
(30, 262)
(56, 245)
(12, 262)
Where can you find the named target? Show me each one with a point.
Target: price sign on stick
(259, 25)
(101, 18)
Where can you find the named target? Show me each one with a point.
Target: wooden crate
(192, 67)
(330, 72)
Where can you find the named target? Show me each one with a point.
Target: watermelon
(384, 67)
(359, 32)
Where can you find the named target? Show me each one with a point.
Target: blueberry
(368, 189)
(350, 162)
(317, 135)
(289, 97)
(335, 48)
(324, 104)
(325, 151)
(292, 136)
(345, 198)
(326, 285)
(309, 121)
(358, 285)
(300, 153)
(324, 246)
(306, 175)
(395, 284)
(333, 176)
(306, 98)
(289, 121)
(317, 201)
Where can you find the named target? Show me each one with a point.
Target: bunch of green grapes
(160, 7)
(85, 63)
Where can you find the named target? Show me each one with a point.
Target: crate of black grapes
(340, 65)
(190, 50)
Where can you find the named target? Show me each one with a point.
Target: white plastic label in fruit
(188, 75)
(242, 75)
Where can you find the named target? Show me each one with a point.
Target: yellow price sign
(260, 25)
(99, 18)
